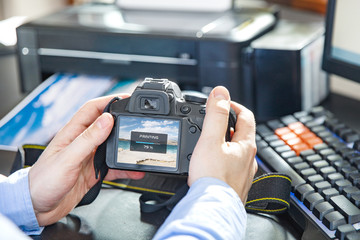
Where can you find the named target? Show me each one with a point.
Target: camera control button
(189, 156)
(185, 109)
(195, 99)
(202, 111)
(192, 129)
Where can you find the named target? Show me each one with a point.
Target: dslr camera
(156, 129)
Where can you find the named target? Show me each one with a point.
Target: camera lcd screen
(148, 141)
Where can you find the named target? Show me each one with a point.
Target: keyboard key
(276, 143)
(330, 192)
(314, 179)
(294, 160)
(282, 149)
(306, 173)
(341, 184)
(326, 152)
(288, 154)
(300, 114)
(332, 178)
(288, 119)
(351, 137)
(353, 236)
(296, 125)
(261, 144)
(306, 153)
(349, 170)
(313, 141)
(302, 191)
(270, 138)
(324, 134)
(275, 124)
(263, 130)
(298, 148)
(330, 121)
(288, 136)
(321, 209)
(282, 131)
(337, 126)
(351, 157)
(318, 129)
(341, 164)
(338, 146)
(333, 219)
(332, 159)
(355, 178)
(312, 123)
(326, 171)
(318, 111)
(355, 199)
(345, 207)
(312, 199)
(320, 164)
(306, 119)
(342, 131)
(331, 140)
(300, 166)
(349, 191)
(344, 230)
(321, 186)
(311, 159)
(319, 147)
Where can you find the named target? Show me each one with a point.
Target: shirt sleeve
(210, 210)
(15, 202)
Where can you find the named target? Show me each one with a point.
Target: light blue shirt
(15, 202)
(210, 210)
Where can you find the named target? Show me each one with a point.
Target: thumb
(217, 114)
(91, 138)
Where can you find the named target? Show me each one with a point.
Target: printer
(198, 50)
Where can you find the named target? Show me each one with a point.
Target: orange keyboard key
(294, 141)
(296, 125)
(299, 148)
(288, 136)
(301, 130)
(282, 131)
(313, 141)
(307, 135)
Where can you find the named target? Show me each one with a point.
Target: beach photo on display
(148, 141)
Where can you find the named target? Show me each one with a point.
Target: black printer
(198, 50)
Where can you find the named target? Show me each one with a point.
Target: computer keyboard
(321, 154)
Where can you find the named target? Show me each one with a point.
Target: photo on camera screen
(148, 141)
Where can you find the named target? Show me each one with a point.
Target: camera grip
(231, 124)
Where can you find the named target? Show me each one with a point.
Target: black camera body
(156, 129)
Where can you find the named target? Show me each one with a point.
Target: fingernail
(221, 93)
(103, 121)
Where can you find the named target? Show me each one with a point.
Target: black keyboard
(322, 156)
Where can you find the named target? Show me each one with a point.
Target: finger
(119, 174)
(90, 139)
(245, 123)
(217, 114)
(83, 119)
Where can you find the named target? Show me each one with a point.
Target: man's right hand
(232, 162)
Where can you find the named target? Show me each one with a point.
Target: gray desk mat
(115, 214)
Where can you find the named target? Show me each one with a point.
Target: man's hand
(232, 162)
(64, 172)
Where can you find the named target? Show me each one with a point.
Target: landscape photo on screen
(148, 141)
